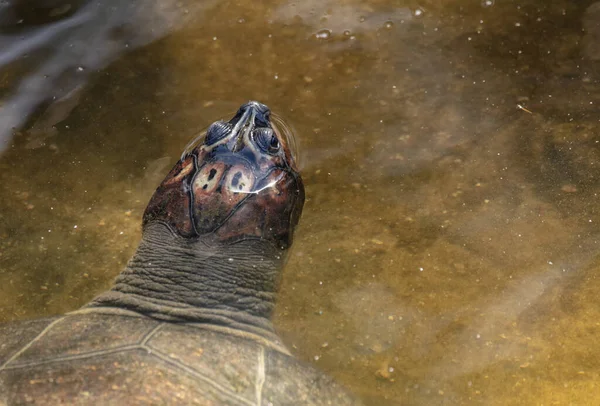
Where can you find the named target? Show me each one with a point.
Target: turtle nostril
(262, 113)
(252, 104)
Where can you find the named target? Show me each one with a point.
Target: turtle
(188, 319)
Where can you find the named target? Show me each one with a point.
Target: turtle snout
(251, 116)
(262, 113)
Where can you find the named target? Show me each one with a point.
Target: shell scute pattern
(91, 357)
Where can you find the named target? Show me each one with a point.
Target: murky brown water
(449, 246)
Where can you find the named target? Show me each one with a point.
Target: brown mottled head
(238, 182)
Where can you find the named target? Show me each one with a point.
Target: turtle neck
(202, 281)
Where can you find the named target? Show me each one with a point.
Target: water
(449, 245)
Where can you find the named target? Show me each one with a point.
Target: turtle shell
(111, 356)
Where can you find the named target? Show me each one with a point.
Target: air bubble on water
(418, 12)
(487, 3)
(323, 34)
(389, 25)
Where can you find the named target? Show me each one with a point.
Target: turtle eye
(266, 140)
(217, 131)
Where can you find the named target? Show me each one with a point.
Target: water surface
(449, 244)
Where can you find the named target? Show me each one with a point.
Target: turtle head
(235, 181)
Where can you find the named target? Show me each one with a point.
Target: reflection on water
(449, 244)
(59, 47)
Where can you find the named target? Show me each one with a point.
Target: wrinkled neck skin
(202, 281)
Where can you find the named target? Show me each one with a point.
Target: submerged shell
(98, 356)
